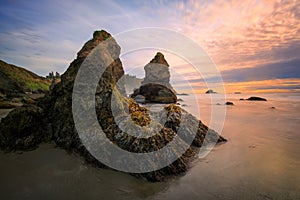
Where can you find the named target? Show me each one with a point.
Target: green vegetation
(172, 108)
(24, 79)
(36, 85)
(138, 113)
(103, 35)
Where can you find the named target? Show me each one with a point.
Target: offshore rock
(210, 92)
(156, 87)
(256, 99)
(155, 93)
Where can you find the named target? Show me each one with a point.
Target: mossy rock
(22, 129)
(155, 93)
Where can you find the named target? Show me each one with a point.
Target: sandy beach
(260, 161)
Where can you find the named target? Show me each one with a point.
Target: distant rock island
(182, 94)
(156, 87)
(229, 103)
(50, 119)
(256, 99)
(210, 92)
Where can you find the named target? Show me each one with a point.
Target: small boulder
(229, 103)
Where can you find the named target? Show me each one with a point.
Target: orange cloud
(242, 33)
(265, 86)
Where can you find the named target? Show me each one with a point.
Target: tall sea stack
(156, 87)
(157, 71)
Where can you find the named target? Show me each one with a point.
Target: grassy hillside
(17, 79)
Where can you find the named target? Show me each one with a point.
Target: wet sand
(261, 160)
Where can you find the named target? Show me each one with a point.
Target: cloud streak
(261, 36)
(281, 70)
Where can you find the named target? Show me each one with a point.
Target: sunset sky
(254, 44)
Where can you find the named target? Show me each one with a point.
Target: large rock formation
(156, 87)
(155, 93)
(51, 119)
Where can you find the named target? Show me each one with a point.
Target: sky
(254, 44)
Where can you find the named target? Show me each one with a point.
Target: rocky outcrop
(156, 87)
(155, 93)
(256, 99)
(23, 129)
(210, 92)
(229, 103)
(157, 72)
(8, 105)
(51, 118)
(54, 82)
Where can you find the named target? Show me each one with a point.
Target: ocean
(261, 160)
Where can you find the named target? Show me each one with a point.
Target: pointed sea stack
(157, 71)
(156, 87)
